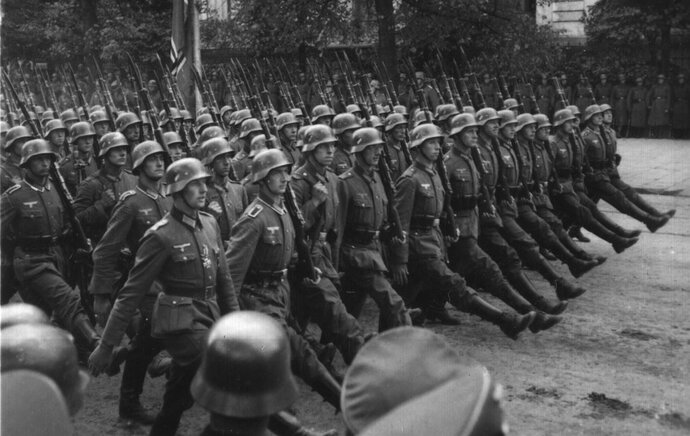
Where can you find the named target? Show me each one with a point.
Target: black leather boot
(510, 323)
(437, 311)
(567, 291)
(654, 223)
(527, 290)
(132, 410)
(575, 232)
(543, 321)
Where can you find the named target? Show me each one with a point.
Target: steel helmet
(4, 127)
(461, 122)
(424, 132)
(258, 144)
(374, 121)
(186, 115)
(245, 371)
(111, 140)
(223, 110)
(469, 110)
(605, 107)
(485, 115)
(344, 122)
(422, 117)
(80, 130)
(446, 111)
(47, 350)
(180, 173)
(316, 135)
(98, 117)
(382, 110)
(300, 136)
(176, 114)
(125, 120)
(242, 114)
(510, 103)
(285, 119)
(212, 149)
(146, 118)
(16, 133)
(353, 109)
(53, 125)
(393, 120)
(21, 313)
(562, 116)
(36, 147)
(365, 137)
(507, 117)
(210, 132)
(266, 161)
(250, 125)
(172, 138)
(590, 111)
(321, 111)
(542, 121)
(574, 109)
(400, 109)
(163, 117)
(69, 115)
(297, 112)
(524, 120)
(96, 107)
(268, 114)
(144, 150)
(203, 121)
(47, 116)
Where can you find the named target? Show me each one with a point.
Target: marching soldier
(396, 132)
(81, 163)
(322, 114)
(184, 252)
(287, 126)
(98, 194)
(418, 263)
(250, 128)
(69, 117)
(226, 199)
(101, 123)
(34, 214)
(131, 127)
(135, 212)
(11, 172)
(56, 134)
(315, 187)
(362, 215)
(175, 145)
(344, 126)
(260, 250)
(604, 181)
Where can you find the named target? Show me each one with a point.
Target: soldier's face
(57, 137)
(188, 124)
(568, 126)
(491, 128)
(597, 119)
(323, 154)
(430, 149)
(132, 133)
(101, 128)
(154, 166)
(17, 146)
(608, 117)
(371, 155)
(175, 153)
(469, 137)
(194, 194)
(398, 132)
(290, 132)
(117, 156)
(529, 131)
(85, 144)
(221, 165)
(39, 165)
(508, 131)
(543, 134)
(277, 180)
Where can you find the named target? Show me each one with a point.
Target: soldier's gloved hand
(399, 274)
(101, 308)
(319, 192)
(100, 358)
(214, 206)
(108, 199)
(310, 282)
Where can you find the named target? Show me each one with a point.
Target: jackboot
(547, 254)
(578, 252)
(575, 232)
(510, 323)
(613, 226)
(577, 267)
(527, 290)
(131, 409)
(620, 244)
(542, 321)
(437, 311)
(566, 290)
(654, 223)
(84, 332)
(159, 365)
(286, 424)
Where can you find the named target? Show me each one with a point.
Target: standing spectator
(602, 92)
(637, 108)
(582, 96)
(659, 105)
(619, 95)
(545, 95)
(680, 120)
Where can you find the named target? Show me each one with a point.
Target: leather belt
(266, 276)
(463, 203)
(198, 294)
(38, 243)
(363, 237)
(424, 223)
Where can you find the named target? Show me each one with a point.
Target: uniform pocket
(172, 315)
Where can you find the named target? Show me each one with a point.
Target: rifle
(473, 76)
(81, 258)
(204, 92)
(122, 91)
(499, 94)
(40, 85)
(560, 92)
(75, 106)
(109, 103)
(145, 98)
(80, 94)
(168, 85)
(300, 102)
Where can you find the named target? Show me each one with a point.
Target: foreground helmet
(180, 173)
(111, 140)
(590, 111)
(286, 119)
(318, 134)
(80, 130)
(211, 132)
(250, 125)
(562, 116)
(393, 120)
(424, 132)
(321, 111)
(21, 313)
(245, 372)
(266, 161)
(258, 144)
(16, 133)
(446, 111)
(176, 114)
(213, 148)
(365, 137)
(144, 150)
(542, 121)
(36, 147)
(125, 120)
(69, 116)
(461, 122)
(487, 114)
(524, 120)
(344, 122)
